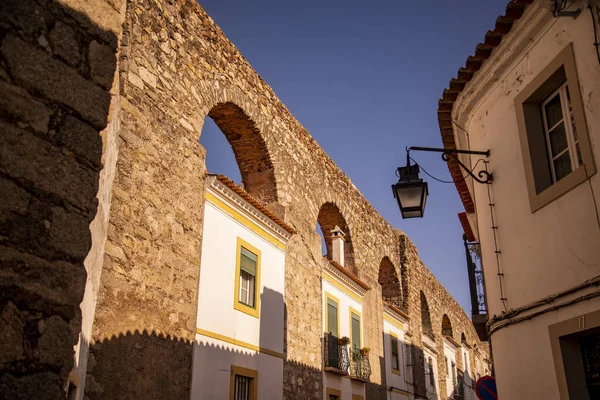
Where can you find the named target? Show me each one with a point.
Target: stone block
(42, 282)
(64, 43)
(100, 17)
(12, 334)
(17, 104)
(45, 385)
(46, 170)
(103, 62)
(13, 200)
(55, 80)
(23, 14)
(55, 344)
(82, 139)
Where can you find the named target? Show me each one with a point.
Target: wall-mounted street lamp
(411, 191)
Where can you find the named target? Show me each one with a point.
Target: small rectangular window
(355, 320)
(447, 366)
(332, 317)
(248, 262)
(243, 383)
(247, 279)
(395, 354)
(430, 372)
(453, 368)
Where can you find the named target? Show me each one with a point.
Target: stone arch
(250, 150)
(388, 278)
(426, 326)
(446, 326)
(329, 216)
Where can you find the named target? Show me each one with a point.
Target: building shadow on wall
(151, 365)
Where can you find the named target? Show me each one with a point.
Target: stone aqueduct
(122, 154)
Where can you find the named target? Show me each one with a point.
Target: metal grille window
(242, 388)
(395, 360)
(561, 136)
(248, 262)
(430, 372)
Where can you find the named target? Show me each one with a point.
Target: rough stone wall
(56, 70)
(175, 68)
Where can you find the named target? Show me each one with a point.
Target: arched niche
(426, 317)
(391, 287)
(328, 218)
(249, 149)
(446, 326)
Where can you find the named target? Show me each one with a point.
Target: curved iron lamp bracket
(483, 176)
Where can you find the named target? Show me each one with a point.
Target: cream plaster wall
(427, 353)
(556, 247)
(391, 379)
(330, 380)
(216, 314)
(450, 354)
(212, 370)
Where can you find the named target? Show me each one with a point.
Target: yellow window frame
(252, 311)
(394, 370)
(247, 372)
(337, 302)
(335, 392)
(356, 312)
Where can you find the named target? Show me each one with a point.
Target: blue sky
(364, 78)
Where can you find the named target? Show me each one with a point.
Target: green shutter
(355, 331)
(248, 261)
(332, 320)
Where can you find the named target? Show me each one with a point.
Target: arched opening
(446, 326)
(329, 217)
(426, 317)
(463, 339)
(249, 150)
(391, 289)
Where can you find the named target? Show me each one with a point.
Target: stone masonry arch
(390, 281)
(250, 150)
(446, 326)
(426, 324)
(329, 217)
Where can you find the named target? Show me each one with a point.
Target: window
(333, 394)
(247, 285)
(447, 366)
(243, 384)
(466, 366)
(333, 318)
(430, 372)
(395, 354)
(355, 336)
(555, 144)
(453, 367)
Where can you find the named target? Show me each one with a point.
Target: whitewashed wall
(391, 379)
(555, 248)
(346, 386)
(450, 353)
(213, 358)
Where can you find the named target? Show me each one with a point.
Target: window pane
(562, 166)
(553, 111)
(558, 139)
(242, 388)
(355, 332)
(251, 290)
(332, 320)
(247, 288)
(395, 363)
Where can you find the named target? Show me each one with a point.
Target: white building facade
(396, 350)
(534, 102)
(238, 351)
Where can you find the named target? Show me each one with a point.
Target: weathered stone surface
(57, 81)
(42, 386)
(82, 139)
(12, 334)
(103, 62)
(55, 344)
(17, 104)
(46, 169)
(64, 43)
(103, 18)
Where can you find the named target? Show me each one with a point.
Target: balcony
(336, 355)
(459, 390)
(360, 367)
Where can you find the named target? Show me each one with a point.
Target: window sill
(565, 185)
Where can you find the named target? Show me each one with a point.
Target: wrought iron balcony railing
(336, 355)
(459, 390)
(360, 367)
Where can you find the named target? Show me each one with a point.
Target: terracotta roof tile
(504, 23)
(349, 275)
(242, 193)
(464, 221)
